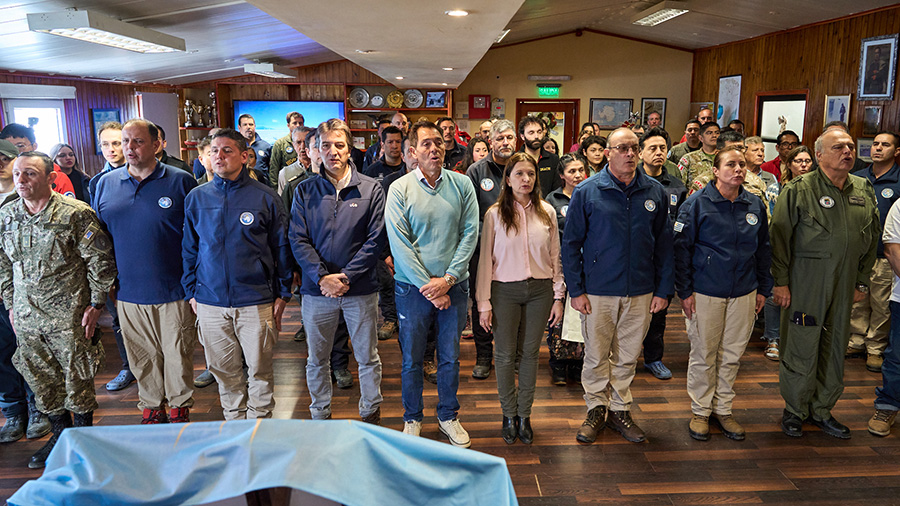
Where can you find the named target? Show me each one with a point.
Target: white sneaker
(453, 430)
(413, 428)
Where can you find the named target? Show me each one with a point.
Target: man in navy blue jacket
(237, 276)
(617, 260)
(337, 235)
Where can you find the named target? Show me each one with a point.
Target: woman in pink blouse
(520, 248)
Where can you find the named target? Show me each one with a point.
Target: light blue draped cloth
(349, 462)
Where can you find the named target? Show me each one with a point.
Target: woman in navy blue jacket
(722, 260)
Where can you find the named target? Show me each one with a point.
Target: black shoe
(374, 418)
(526, 435)
(300, 335)
(593, 424)
(508, 431)
(83, 419)
(13, 429)
(38, 424)
(58, 424)
(791, 424)
(621, 422)
(343, 378)
(482, 368)
(575, 373)
(558, 376)
(832, 427)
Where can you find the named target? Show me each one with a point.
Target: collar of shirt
(421, 177)
(339, 184)
(157, 173)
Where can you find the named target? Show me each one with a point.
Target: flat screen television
(270, 114)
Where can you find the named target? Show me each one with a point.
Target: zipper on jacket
(225, 256)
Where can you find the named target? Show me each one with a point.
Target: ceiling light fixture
(659, 13)
(500, 37)
(365, 51)
(270, 70)
(99, 29)
(443, 84)
(399, 78)
(457, 13)
(448, 68)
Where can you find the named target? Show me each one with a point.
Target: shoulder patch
(679, 226)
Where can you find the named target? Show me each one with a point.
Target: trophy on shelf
(198, 108)
(188, 113)
(212, 115)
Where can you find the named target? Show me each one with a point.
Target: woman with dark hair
(64, 156)
(587, 130)
(592, 151)
(551, 146)
(520, 249)
(477, 149)
(564, 339)
(798, 162)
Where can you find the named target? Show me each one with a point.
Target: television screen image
(269, 115)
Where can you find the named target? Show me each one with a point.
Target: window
(47, 117)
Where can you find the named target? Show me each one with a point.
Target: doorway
(562, 116)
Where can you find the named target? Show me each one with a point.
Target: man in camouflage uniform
(56, 267)
(283, 151)
(701, 174)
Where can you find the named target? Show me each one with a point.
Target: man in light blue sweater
(432, 222)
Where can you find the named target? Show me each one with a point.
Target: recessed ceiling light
(365, 51)
(448, 68)
(457, 13)
(443, 84)
(399, 78)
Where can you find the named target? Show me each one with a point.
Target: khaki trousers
(613, 335)
(159, 340)
(231, 336)
(719, 331)
(870, 319)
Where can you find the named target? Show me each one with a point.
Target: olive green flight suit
(283, 154)
(824, 242)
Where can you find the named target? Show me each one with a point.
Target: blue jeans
(887, 396)
(416, 315)
(14, 391)
(772, 314)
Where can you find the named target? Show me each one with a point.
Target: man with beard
(454, 152)
(532, 133)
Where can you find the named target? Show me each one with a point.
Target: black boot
(58, 423)
(83, 420)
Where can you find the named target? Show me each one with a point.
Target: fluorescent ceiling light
(457, 13)
(99, 29)
(270, 70)
(659, 13)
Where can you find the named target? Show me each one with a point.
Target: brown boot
(881, 421)
(730, 427)
(621, 422)
(593, 424)
(873, 362)
(699, 427)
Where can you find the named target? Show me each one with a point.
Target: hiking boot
(482, 368)
(454, 430)
(154, 416)
(558, 376)
(730, 427)
(38, 424)
(13, 429)
(387, 330)
(621, 422)
(593, 424)
(57, 425)
(343, 378)
(374, 418)
(855, 352)
(180, 415)
(873, 362)
(699, 427)
(881, 421)
(429, 368)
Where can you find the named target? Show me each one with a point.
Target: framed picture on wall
(98, 118)
(729, 99)
(837, 108)
(871, 120)
(653, 105)
(777, 111)
(864, 149)
(877, 67)
(610, 113)
(696, 107)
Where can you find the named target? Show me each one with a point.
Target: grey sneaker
(453, 430)
(13, 429)
(38, 424)
(343, 378)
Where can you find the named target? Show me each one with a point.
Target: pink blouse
(532, 252)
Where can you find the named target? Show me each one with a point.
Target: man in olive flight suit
(56, 267)
(824, 237)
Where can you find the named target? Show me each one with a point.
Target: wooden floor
(671, 468)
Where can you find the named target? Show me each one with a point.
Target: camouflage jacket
(54, 263)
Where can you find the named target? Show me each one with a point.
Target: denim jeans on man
(13, 389)
(887, 396)
(416, 315)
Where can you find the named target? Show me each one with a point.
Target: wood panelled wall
(88, 95)
(822, 58)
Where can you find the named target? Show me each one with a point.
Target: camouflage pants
(59, 366)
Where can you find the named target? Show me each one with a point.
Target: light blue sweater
(431, 232)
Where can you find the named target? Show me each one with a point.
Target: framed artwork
(611, 113)
(777, 111)
(864, 149)
(871, 119)
(837, 108)
(435, 99)
(696, 107)
(877, 67)
(98, 118)
(729, 100)
(651, 105)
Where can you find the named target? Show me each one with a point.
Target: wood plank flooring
(670, 469)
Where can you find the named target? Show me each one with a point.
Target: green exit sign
(548, 91)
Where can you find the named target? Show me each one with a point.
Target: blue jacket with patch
(332, 233)
(618, 238)
(887, 191)
(235, 246)
(722, 247)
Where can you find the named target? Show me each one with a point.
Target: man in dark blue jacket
(237, 276)
(617, 259)
(337, 235)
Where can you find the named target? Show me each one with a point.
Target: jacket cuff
(98, 298)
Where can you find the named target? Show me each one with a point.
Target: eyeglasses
(625, 148)
(804, 161)
(789, 145)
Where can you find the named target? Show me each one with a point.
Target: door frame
(569, 130)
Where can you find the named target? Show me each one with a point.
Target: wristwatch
(449, 279)
(862, 288)
(98, 307)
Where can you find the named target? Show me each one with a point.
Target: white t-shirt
(891, 235)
